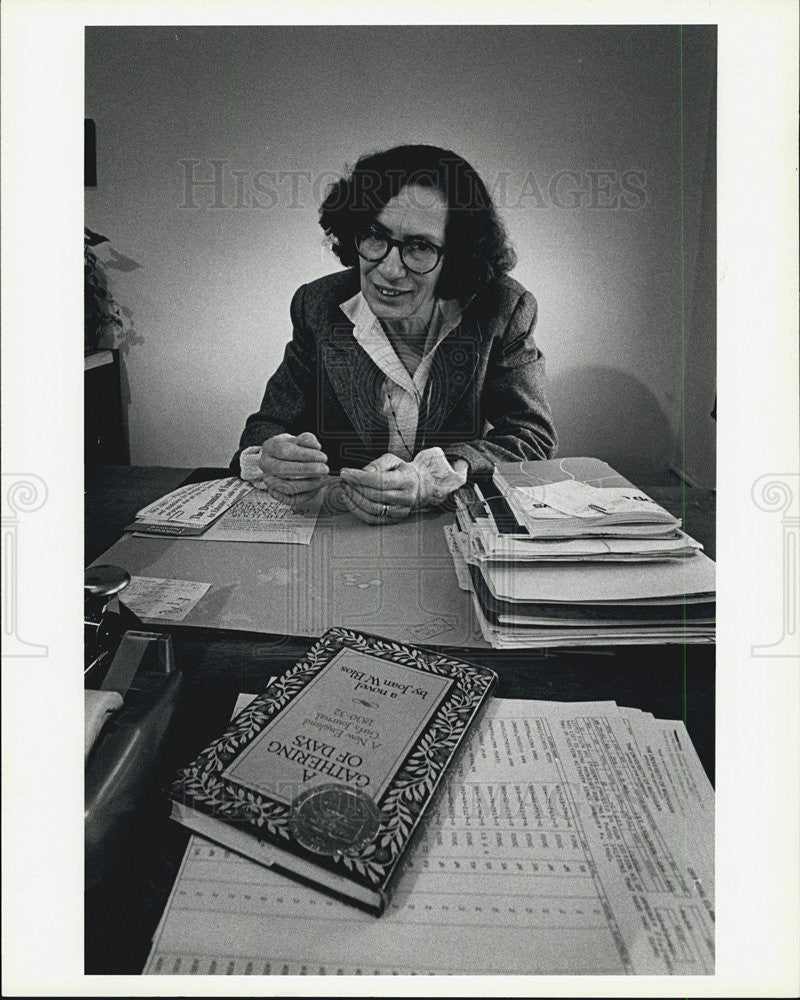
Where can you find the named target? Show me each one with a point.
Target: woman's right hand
(294, 467)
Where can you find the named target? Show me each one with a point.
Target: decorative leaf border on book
(201, 785)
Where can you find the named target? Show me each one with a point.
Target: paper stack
(569, 553)
(226, 510)
(191, 509)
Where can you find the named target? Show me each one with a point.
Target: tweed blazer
(485, 399)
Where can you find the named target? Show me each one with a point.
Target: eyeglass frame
(440, 251)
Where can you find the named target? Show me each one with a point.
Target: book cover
(328, 774)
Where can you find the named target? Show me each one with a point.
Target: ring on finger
(384, 510)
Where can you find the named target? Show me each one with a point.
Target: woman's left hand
(385, 490)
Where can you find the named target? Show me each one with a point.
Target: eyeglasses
(417, 255)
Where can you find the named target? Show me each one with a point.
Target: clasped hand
(295, 468)
(385, 490)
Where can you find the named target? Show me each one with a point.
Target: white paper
(547, 854)
(485, 544)
(568, 497)
(528, 500)
(259, 517)
(651, 832)
(600, 581)
(454, 538)
(617, 500)
(577, 499)
(196, 504)
(166, 600)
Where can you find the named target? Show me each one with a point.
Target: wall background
(554, 118)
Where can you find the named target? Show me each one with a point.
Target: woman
(416, 366)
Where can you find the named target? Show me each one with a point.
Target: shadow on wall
(608, 414)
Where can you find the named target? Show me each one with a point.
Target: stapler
(134, 671)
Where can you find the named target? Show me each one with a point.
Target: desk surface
(123, 910)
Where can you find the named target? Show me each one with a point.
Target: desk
(123, 910)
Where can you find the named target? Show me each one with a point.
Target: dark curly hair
(477, 248)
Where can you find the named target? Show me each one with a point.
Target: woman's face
(392, 291)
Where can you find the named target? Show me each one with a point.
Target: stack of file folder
(569, 553)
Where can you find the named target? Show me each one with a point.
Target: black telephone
(140, 667)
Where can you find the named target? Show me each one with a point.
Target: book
(328, 775)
